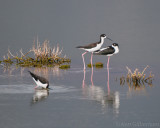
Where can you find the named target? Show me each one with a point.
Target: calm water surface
(76, 100)
(79, 99)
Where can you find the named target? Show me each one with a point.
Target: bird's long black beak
(109, 39)
(49, 88)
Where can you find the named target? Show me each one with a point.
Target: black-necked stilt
(92, 47)
(40, 81)
(108, 51)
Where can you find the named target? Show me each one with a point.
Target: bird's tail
(31, 73)
(79, 47)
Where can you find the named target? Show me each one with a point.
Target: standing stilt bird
(92, 47)
(40, 81)
(108, 51)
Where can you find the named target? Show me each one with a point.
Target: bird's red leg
(91, 58)
(84, 60)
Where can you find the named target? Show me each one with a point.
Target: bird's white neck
(116, 49)
(102, 40)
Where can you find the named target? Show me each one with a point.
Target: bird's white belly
(95, 48)
(110, 55)
(40, 84)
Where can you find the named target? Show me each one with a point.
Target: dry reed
(137, 79)
(44, 55)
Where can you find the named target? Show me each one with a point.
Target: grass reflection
(137, 81)
(44, 71)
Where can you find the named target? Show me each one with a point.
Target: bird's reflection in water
(108, 100)
(40, 95)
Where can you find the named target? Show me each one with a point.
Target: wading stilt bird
(108, 51)
(92, 47)
(40, 81)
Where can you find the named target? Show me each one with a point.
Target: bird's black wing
(89, 46)
(105, 51)
(41, 79)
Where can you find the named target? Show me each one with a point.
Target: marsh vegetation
(137, 79)
(96, 65)
(43, 56)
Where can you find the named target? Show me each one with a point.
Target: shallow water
(76, 100)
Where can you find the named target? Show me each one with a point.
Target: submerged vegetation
(64, 66)
(96, 65)
(44, 56)
(137, 79)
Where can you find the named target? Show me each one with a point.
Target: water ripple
(26, 88)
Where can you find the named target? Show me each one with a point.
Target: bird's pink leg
(92, 76)
(108, 63)
(35, 87)
(84, 60)
(84, 77)
(92, 69)
(108, 75)
(108, 82)
(91, 59)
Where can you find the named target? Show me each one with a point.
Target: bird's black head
(103, 35)
(115, 44)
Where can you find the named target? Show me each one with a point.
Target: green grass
(64, 66)
(96, 65)
(99, 65)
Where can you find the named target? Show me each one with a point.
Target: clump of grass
(89, 65)
(64, 66)
(99, 65)
(96, 65)
(44, 51)
(137, 78)
(44, 55)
